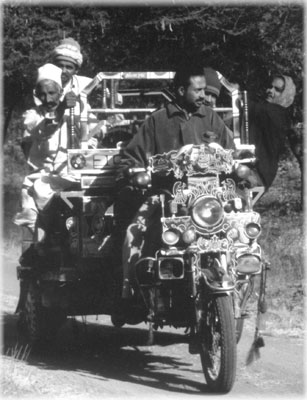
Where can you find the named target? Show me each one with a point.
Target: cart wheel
(37, 323)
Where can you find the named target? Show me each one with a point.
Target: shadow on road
(113, 353)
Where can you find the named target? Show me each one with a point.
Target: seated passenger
(45, 140)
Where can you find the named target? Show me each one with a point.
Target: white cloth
(49, 142)
(49, 72)
(48, 161)
(78, 83)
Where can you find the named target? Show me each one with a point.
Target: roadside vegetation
(283, 242)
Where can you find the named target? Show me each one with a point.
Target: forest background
(245, 43)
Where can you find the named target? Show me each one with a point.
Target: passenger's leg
(28, 215)
(135, 240)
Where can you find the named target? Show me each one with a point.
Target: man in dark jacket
(175, 125)
(188, 121)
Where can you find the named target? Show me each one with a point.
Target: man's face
(275, 91)
(68, 70)
(49, 93)
(210, 99)
(194, 94)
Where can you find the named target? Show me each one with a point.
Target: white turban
(69, 50)
(50, 72)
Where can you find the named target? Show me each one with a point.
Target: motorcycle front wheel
(218, 347)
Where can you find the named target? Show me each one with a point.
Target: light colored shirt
(49, 142)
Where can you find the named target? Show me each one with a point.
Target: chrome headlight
(78, 161)
(207, 212)
(189, 235)
(252, 230)
(233, 234)
(248, 264)
(171, 237)
(170, 268)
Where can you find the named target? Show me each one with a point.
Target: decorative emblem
(193, 160)
(212, 244)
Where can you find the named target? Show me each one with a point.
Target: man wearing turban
(67, 56)
(45, 142)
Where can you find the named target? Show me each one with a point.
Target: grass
(283, 244)
(16, 377)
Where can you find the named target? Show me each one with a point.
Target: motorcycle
(200, 277)
(204, 270)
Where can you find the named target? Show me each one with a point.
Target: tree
(245, 43)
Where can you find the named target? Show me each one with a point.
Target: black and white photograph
(153, 199)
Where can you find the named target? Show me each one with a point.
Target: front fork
(201, 289)
(245, 288)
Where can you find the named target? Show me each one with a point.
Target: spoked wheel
(37, 323)
(218, 350)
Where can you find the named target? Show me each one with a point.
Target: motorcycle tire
(218, 345)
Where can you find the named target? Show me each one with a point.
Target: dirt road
(95, 359)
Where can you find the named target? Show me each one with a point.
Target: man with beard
(45, 142)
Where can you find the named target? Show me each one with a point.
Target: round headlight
(243, 171)
(252, 230)
(189, 236)
(207, 212)
(142, 179)
(171, 237)
(233, 234)
(78, 161)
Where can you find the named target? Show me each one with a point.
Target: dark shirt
(164, 130)
(169, 129)
(268, 125)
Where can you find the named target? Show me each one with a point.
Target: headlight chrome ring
(207, 212)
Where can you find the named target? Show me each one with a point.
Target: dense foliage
(245, 43)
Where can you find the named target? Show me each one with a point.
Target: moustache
(51, 105)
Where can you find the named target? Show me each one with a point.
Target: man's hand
(70, 100)
(210, 136)
(92, 143)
